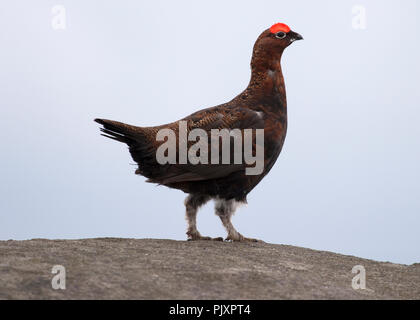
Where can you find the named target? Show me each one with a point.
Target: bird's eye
(280, 35)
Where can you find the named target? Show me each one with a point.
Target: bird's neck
(267, 84)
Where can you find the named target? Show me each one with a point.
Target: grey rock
(113, 268)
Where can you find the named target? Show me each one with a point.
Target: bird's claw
(241, 238)
(197, 236)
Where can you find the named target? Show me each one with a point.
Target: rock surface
(111, 268)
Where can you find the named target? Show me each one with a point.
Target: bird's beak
(295, 36)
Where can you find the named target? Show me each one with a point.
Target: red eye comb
(279, 27)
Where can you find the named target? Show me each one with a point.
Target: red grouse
(224, 177)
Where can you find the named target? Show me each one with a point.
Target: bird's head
(272, 42)
(278, 37)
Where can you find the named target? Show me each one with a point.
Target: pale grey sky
(348, 177)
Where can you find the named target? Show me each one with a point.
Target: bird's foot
(194, 236)
(240, 238)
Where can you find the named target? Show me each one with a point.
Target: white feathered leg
(225, 210)
(192, 203)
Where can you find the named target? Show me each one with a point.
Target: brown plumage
(262, 105)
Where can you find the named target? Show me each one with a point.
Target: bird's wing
(222, 117)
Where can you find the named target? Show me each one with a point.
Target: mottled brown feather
(262, 105)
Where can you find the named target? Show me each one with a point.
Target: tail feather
(138, 139)
(118, 131)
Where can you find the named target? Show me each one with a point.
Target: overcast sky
(347, 179)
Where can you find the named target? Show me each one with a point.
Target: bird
(262, 105)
